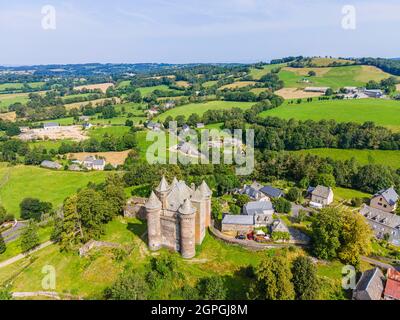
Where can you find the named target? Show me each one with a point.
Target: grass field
(9, 99)
(348, 194)
(385, 157)
(382, 112)
(209, 84)
(19, 86)
(200, 108)
(146, 91)
(258, 73)
(116, 131)
(334, 77)
(19, 182)
(88, 277)
(238, 84)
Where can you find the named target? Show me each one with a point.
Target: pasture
(115, 158)
(295, 93)
(200, 108)
(385, 157)
(116, 131)
(19, 182)
(100, 86)
(334, 77)
(18, 86)
(237, 85)
(383, 112)
(8, 99)
(258, 73)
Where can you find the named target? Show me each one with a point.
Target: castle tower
(162, 191)
(187, 220)
(207, 193)
(153, 208)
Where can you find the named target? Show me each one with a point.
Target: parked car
(250, 236)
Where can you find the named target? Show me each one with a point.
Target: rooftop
(238, 219)
(390, 195)
(321, 191)
(272, 192)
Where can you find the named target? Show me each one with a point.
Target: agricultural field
(146, 91)
(8, 99)
(295, 93)
(19, 86)
(116, 131)
(19, 182)
(385, 157)
(324, 62)
(114, 158)
(383, 112)
(258, 73)
(334, 77)
(238, 84)
(77, 105)
(183, 84)
(101, 86)
(200, 108)
(209, 84)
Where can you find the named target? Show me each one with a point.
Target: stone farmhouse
(321, 196)
(50, 126)
(258, 192)
(92, 163)
(178, 216)
(382, 221)
(51, 165)
(373, 285)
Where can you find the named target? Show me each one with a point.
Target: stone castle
(178, 216)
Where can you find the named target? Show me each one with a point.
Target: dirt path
(23, 255)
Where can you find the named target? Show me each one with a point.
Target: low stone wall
(96, 244)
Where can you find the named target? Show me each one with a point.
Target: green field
(334, 77)
(19, 86)
(341, 194)
(258, 73)
(9, 99)
(116, 131)
(146, 91)
(385, 157)
(19, 182)
(200, 108)
(382, 112)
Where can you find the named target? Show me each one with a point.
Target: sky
(194, 31)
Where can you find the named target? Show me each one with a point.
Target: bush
(356, 202)
(281, 205)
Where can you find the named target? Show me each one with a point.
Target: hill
(382, 112)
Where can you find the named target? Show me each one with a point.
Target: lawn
(200, 108)
(334, 77)
(385, 157)
(348, 194)
(382, 112)
(19, 182)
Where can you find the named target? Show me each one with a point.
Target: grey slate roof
(257, 207)
(99, 162)
(50, 124)
(50, 164)
(272, 192)
(370, 286)
(386, 218)
(238, 219)
(321, 191)
(390, 195)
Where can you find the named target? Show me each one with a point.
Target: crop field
(102, 86)
(323, 62)
(77, 105)
(209, 84)
(8, 116)
(115, 158)
(116, 131)
(238, 84)
(385, 157)
(382, 112)
(184, 84)
(200, 108)
(19, 182)
(334, 77)
(295, 93)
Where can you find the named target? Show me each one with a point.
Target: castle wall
(188, 245)
(170, 233)
(154, 229)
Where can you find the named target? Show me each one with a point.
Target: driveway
(14, 232)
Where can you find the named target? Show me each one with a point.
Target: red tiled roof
(392, 289)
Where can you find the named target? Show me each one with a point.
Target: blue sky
(182, 31)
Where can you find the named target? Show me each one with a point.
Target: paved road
(23, 255)
(14, 232)
(377, 263)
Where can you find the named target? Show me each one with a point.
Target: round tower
(153, 212)
(162, 191)
(207, 193)
(187, 219)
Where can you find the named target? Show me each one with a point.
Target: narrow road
(377, 263)
(14, 232)
(23, 255)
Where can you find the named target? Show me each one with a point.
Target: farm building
(92, 163)
(373, 93)
(370, 286)
(316, 89)
(50, 165)
(237, 223)
(385, 200)
(51, 126)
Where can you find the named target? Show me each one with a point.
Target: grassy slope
(385, 157)
(116, 131)
(382, 112)
(9, 99)
(200, 108)
(88, 277)
(258, 73)
(21, 181)
(335, 77)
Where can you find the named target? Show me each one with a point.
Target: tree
(130, 285)
(272, 280)
(294, 194)
(305, 279)
(3, 247)
(312, 73)
(356, 236)
(212, 288)
(326, 179)
(281, 205)
(34, 208)
(326, 229)
(5, 293)
(329, 92)
(29, 237)
(216, 208)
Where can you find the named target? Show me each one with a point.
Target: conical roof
(153, 202)
(197, 195)
(163, 185)
(205, 190)
(174, 182)
(187, 208)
